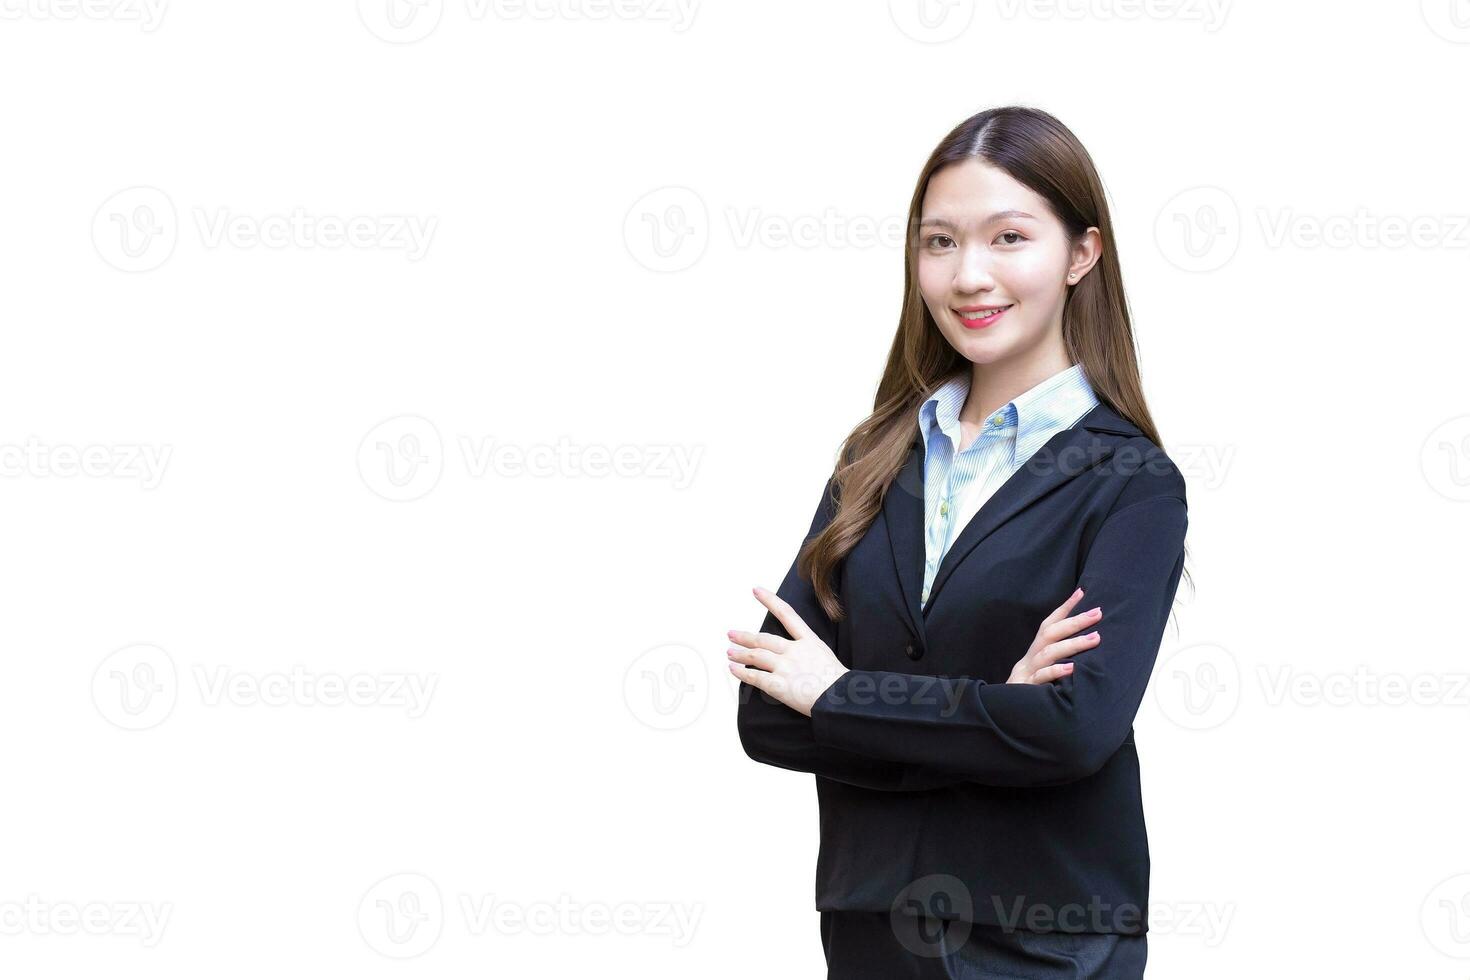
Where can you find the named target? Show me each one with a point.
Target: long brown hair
(1041, 153)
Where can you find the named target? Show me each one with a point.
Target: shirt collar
(1038, 413)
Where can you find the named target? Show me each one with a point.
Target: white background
(586, 282)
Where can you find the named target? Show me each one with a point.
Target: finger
(1065, 608)
(770, 682)
(1066, 627)
(1062, 649)
(749, 675)
(1048, 674)
(783, 611)
(1081, 621)
(764, 659)
(767, 641)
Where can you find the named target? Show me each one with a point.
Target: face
(986, 242)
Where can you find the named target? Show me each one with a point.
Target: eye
(1015, 234)
(933, 238)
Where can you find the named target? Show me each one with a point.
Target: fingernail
(1094, 635)
(1068, 667)
(730, 634)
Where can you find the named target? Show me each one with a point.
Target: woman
(929, 655)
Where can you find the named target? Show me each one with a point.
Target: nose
(972, 275)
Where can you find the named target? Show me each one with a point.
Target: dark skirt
(881, 946)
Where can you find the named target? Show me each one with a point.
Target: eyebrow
(946, 223)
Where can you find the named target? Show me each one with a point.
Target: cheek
(1033, 274)
(934, 278)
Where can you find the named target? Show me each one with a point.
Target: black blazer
(940, 787)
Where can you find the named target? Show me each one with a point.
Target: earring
(1071, 276)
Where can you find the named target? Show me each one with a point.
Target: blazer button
(912, 653)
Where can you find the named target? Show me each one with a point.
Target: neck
(993, 385)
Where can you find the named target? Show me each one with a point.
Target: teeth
(982, 314)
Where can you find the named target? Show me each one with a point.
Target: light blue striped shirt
(957, 484)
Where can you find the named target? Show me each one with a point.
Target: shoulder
(1143, 471)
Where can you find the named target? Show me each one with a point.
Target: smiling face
(987, 242)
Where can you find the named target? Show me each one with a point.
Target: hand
(796, 671)
(1040, 666)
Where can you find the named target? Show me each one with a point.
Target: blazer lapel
(1065, 455)
(903, 514)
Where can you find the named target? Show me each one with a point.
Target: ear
(1085, 255)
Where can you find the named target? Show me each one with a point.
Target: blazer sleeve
(1036, 734)
(778, 735)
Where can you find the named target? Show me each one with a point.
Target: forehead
(973, 191)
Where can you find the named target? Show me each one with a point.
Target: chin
(981, 342)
